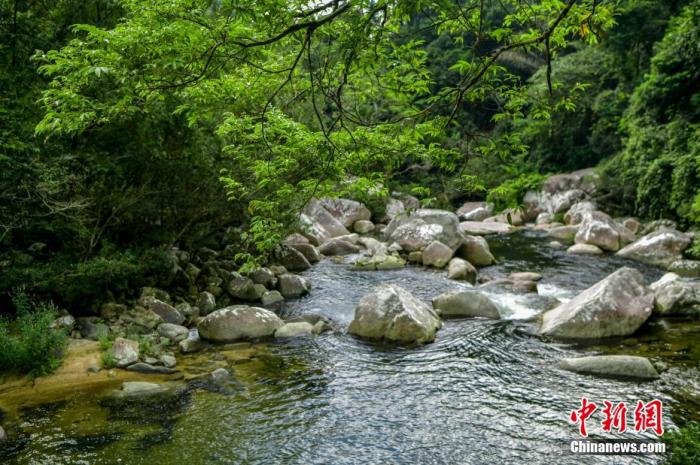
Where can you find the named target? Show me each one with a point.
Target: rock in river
(660, 248)
(627, 366)
(615, 306)
(391, 312)
(437, 255)
(295, 329)
(417, 230)
(462, 270)
(238, 322)
(599, 229)
(674, 295)
(465, 303)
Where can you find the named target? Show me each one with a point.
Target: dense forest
(129, 127)
(131, 130)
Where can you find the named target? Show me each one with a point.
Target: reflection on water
(483, 392)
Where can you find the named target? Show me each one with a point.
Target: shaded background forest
(90, 215)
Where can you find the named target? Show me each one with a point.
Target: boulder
(292, 286)
(320, 223)
(238, 322)
(687, 268)
(168, 361)
(295, 329)
(578, 210)
(632, 224)
(437, 255)
(175, 333)
(393, 208)
(291, 258)
(346, 211)
(660, 248)
(143, 367)
(271, 297)
(465, 304)
(408, 201)
(461, 270)
(140, 389)
(243, 288)
(338, 246)
(584, 249)
(190, 345)
(417, 230)
(655, 225)
(615, 306)
(206, 302)
(599, 229)
(264, 276)
(511, 216)
(513, 285)
(477, 228)
(391, 312)
(382, 261)
(544, 218)
(476, 251)
(564, 234)
(363, 226)
(167, 312)
(475, 211)
(309, 251)
(674, 295)
(625, 366)
(124, 352)
(584, 179)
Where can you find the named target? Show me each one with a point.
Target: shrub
(510, 193)
(684, 445)
(30, 344)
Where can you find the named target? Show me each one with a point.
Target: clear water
(485, 392)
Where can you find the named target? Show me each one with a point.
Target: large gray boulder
(292, 285)
(167, 312)
(124, 352)
(291, 258)
(564, 234)
(465, 304)
(475, 211)
(615, 306)
(599, 229)
(674, 295)
(418, 229)
(476, 251)
(660, 248)
(238, 322)
(578, 211)
(391, 312)
(338, 246)
(461, 270)
(437, 255)
(320, 223)
(627, 366)
(309, 251)
(346, 211)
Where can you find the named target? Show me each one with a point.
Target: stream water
(485, 392)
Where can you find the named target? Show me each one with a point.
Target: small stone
(292, 286)
(525, 276)
(175, 333)
(220, 376)
(206, 302)
(437, 254)
(168, 361)
(585, 249)
(142, 367)
(135, 389)
(189, 346)
(460, 269)
(612, 365)
(363, 226)
(297, 329)
(271, 297)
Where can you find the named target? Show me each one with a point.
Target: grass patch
(29, 343)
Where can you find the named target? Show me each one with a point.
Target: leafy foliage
(684, 445)
(29, 343)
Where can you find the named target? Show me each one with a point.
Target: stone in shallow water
(295, 329)
(137, 389)
(142, 367)
(437, 255)
(478, 228)
(615, 306)
(628, 366)
(465, 304)
(391, 312)
(460, 269)
(476, 251)
(238, 322)
(660, 248)
(584, 249)
(124, 352)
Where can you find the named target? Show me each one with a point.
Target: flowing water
(485, 392)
